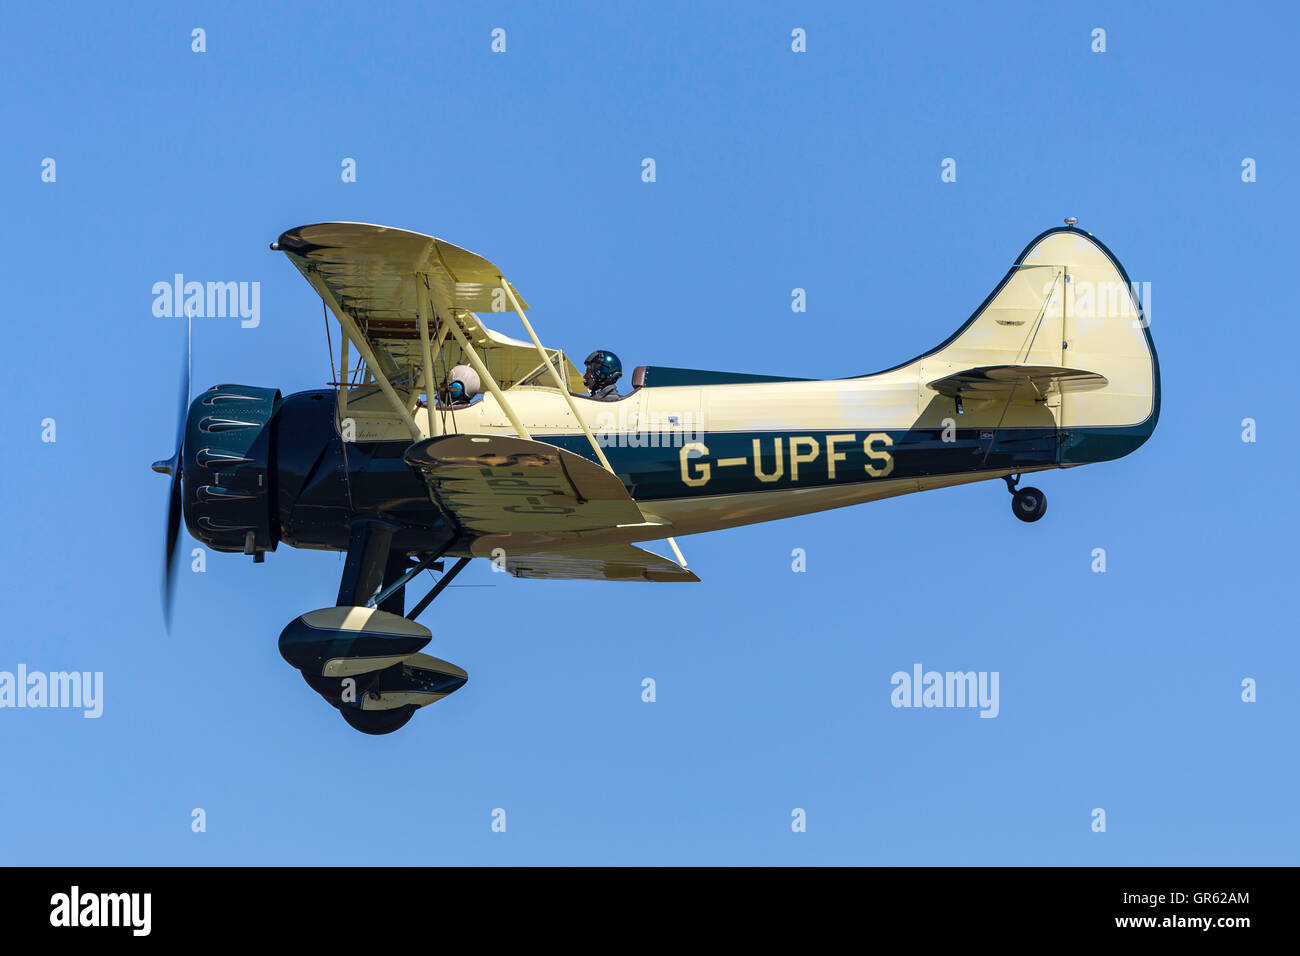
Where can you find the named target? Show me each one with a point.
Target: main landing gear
(1027, 504)
(363, 655)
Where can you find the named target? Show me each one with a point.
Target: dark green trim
(654, 473)
(659, 376)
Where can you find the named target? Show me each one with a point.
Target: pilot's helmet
(603, 368)
(462, 383)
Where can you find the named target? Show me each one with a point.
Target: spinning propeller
(172, 467)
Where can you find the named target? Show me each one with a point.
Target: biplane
(403, 472)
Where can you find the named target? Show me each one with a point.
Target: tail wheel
(1029, 504)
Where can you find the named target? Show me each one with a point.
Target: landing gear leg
(362, 656)
(1027, 504)
(367, 559)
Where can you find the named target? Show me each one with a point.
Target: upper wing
(1023, 384)
(521, 495)
(371, 272)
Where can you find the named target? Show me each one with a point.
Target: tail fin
(1066, 306)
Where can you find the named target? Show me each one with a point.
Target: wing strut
(564, 390)
(426, 353)
(352, 332)
(445, 315)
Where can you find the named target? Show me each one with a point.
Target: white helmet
(462, 383)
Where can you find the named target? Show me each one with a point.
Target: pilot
(460, 388)
(603, 371)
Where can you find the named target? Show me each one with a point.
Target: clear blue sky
(775, 170)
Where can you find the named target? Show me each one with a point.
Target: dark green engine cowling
(228, 472)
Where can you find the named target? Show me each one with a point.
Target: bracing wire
(329, 340)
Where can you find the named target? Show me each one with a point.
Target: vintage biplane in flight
(400, 467)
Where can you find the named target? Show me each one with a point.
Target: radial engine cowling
(228, 472)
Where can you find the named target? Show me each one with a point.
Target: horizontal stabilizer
(1022, 384)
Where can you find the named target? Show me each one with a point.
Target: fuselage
(680, 467)
(702, 451)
